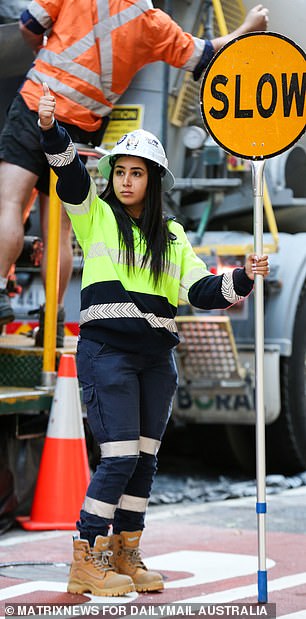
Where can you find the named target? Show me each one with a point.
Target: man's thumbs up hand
(46, 109)
(46, 89)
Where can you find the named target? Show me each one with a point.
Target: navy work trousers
(128, 398)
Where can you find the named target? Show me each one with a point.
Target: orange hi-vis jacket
(94, 49)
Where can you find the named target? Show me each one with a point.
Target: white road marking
(240, 593)
(205, 566)
(300, 614)
(208, 568)
(31, 587)
(60, 587)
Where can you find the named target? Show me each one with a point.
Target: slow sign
(253, 95)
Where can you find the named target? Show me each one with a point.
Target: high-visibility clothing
(119, 306)
(128, 400)
(95, 48)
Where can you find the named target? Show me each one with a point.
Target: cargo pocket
(93, 413)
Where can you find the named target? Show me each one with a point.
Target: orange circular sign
(253, 95)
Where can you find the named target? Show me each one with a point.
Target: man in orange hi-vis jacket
(92, 51)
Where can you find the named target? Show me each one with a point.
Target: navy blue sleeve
(73, 178)
(220, 291)
(31, 23)
(208, 54)
(242, 283)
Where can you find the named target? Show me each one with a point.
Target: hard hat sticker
(132, 142)
(253, 95)
(122, 139)
(152, 142)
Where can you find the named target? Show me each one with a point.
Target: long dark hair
(153, 225)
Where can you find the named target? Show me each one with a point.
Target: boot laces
(101, 559)
(134, 557)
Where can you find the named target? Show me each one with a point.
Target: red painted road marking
(188, 553)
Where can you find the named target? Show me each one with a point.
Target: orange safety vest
(95, 48)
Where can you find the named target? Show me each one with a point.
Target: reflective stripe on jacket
(95, 48)
(122, 306)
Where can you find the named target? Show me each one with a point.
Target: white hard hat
(139, 143)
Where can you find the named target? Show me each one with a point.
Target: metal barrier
(207, 354)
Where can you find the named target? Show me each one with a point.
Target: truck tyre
(286, 437)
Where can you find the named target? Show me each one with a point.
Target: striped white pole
(261, 506)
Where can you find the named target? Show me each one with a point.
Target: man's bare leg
(16, 185)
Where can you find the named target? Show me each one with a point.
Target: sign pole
(252, 104)
(261, 506)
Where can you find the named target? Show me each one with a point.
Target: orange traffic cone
(64, 472)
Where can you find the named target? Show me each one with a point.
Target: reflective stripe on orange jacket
(94, 50)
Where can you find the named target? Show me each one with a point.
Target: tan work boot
(128, 561)
(91, 571)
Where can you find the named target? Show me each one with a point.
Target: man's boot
(6, 312)
(92, 572)
(128, 561)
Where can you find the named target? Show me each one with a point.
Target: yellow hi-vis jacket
(123, 307)
(95, 48)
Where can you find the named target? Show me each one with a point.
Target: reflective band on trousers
(119, 448)
(149, 445)
(98, 508)
(125, 310)
(130, 448)
(133, 503)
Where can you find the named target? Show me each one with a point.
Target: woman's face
(130, 180)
